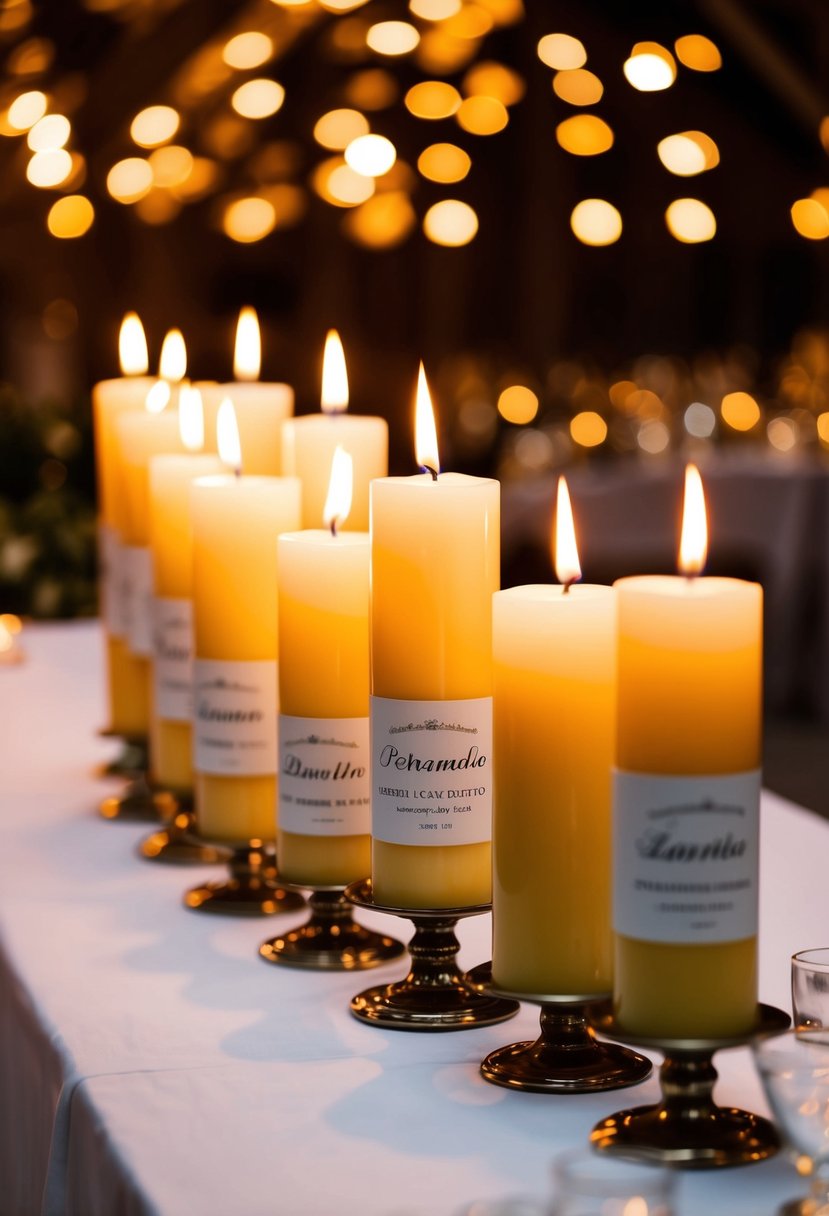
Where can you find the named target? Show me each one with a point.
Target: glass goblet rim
(816, 957)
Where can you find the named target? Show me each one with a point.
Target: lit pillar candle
(126, 681)
(261, 408)
(686, 799)
(236, 522)
(554, 712)
(324, 818)
(171, 543)
(434, 568)
(309, 443)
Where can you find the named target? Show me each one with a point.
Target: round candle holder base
(135, 805)
(686, 1129)
(133, 759)
(435, 994)
(566, 1058)
(331, 940)
(251, 889)
(178, 842)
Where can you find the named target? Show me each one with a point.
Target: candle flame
(132, 346)
(247, 354)
(227, 435)
(426, 440)
(568, 569)
(173, 362)
(340, 488)
(191, 418)
(158, 398)
(334, 397)
(693, 545)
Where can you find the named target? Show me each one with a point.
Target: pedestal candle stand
(331, 939)
(133, 757)
(177, 842)
(687, 1130)
(434, 995)
(136, 803)
(252, 888)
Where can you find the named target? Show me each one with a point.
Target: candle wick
(434, 472)
(567, 586)
(333, 526)
(238, 470)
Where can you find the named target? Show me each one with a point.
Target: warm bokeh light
(171, 166)
(823, 428)
(392, 37)
(441, 54)
(27, 109)
(49, 133)
(370, 155)
(383, 221)
(203, 177)
(372, 89)
(191, 418)
(650, 68)
(248, 50)
(432, 99)
(444, 163)
(258, 98)
(334, 393)
(247, 220)
(783, 434)
(158, 397)
(434, 10)
(596, 222)
(584, 135)
(468, 24)
(482, 115)
(132, 346)
(588, 429)
(691, 221)
(653, 437)
(31, 57)
(339, 185)
(518, 404)
(810, 219)
(450, 222)
(336, 129)
(688, 153)
(130, 179)
(562, 52)
(697, 52)
(700, 420)
(340, 489)
(565, 549)
(70, 217)
(491, 79)
(227, 436)
(49, 169)
(740, 411)
(578, 87)
(693, 542)
(426, 439)
(154, 126)
(172, 362)
(247, 347)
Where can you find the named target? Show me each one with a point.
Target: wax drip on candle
(334, 394)
(693, 544)
(227, 436)
(566, 557)
(426, 439)
(340, 490)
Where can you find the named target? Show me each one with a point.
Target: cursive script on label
(391, 757)
(294, 766)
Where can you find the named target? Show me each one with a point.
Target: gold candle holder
(134, 757)
(435, 995)
(251, 889)
(177, 842)
(687, 1130)
(136, 803)
(566, 1058)
(331, 939)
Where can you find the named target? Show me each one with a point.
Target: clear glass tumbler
(590, 1184)
(810, 988)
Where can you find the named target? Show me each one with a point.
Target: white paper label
(173, 659)
(234, 717)
(112, 582)
(431, 771)
(685, 856)
(137, 583)
(324, 776)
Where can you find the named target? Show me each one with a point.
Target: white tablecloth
(152, 1065)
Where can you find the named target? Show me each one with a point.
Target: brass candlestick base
(251, 889)
(178, 842)
(135, 805)
(687, 1129)
(435, 994)
(567, 1058)
(134, 756)
(331, 940)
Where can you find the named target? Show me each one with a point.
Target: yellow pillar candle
(171, 543)
(324, 818)
(126, 683)
(309, 444)
(686, 800)
(434, 568)
(261, 408)
(236, 522)
(554, 734)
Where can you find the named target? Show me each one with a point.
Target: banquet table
(153, 1065)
